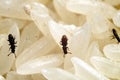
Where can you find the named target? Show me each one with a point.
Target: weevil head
(113, 30)
(10, 36)
(64, 37)
(64, 40)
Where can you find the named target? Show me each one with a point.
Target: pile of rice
(38, 26)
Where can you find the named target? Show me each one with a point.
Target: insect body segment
(64, 41)
(64, 44)
(116, 35)
(12, 43)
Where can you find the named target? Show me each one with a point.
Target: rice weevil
(12, 43)
(64, 44)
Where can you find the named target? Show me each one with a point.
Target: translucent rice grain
(60, 6)
(93, 50)
(80, 41)
(88, 7)
(29, 35)
(116, 19)
(15, 76)
(106, 10)
(14, 8)
(42, 23)
(40, 15)
(107, 67)
(98, 23)
(59, 74)
(2, 78)
(80, 6)
(82, 70)
(39, 48)
(112, 51)
(39, 8)
(35, 65)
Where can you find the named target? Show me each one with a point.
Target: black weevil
(64, 44)
(116, 35)
(12, 43)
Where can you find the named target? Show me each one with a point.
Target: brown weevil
(12, 43)
(116, 35)
(64, 44)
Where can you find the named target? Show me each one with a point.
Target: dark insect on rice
(116, 35)
(12, 43)
(64, 44)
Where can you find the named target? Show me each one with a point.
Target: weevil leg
(67, 48)
(9, 54)
(69, 52)
(15, 42)
(15, 55)
(112, 37)
(60, 42)
(14, 38)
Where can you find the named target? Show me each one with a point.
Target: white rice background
(38, 26)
